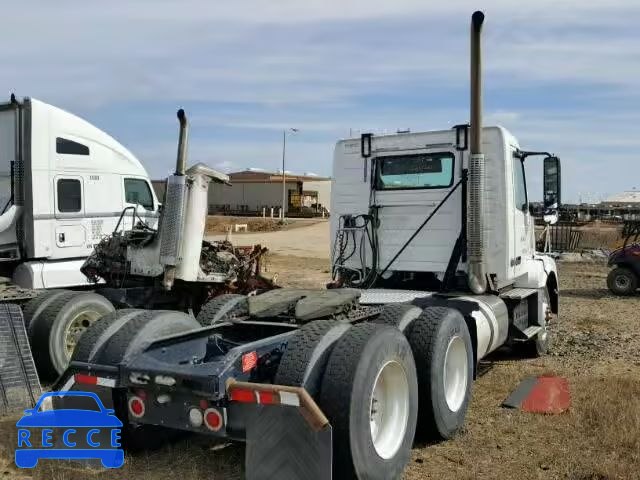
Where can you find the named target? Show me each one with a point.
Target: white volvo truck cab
(445, 215)
(64, 185)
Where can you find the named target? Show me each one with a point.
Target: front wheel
(539, 345)
(622, 281)
(370, 395)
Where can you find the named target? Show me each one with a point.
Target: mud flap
(289, 438)
(281, 444)
(19, 384)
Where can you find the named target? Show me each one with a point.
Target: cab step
(517, 293)
(529, 332)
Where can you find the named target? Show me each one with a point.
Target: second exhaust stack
(477, 278)
(173, 213)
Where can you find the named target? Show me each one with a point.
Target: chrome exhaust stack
(181, 162)
(477, 278)
(173, 214)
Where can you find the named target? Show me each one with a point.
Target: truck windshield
(425, 170)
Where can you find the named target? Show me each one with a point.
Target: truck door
(69, 231)
(522, 222)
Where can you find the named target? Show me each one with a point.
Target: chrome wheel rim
(389, 409)
(548, 315)
(456, 375)
(76, 327)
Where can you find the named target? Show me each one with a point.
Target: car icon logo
(79, 427)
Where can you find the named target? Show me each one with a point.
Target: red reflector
(249, 361)
(213, 419)
(268, 398)
(136, 407)
(204, 404)
(86, 379)
(246, 396)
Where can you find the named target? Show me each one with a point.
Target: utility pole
(283, 210)
(284, 183)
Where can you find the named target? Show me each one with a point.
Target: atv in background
(624, 279)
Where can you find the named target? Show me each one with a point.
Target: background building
(630, 198)
(252, 190)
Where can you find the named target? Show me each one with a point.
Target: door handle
(61, 237)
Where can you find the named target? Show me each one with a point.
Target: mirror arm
(523, 154)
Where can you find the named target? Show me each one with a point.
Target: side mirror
(551, 183)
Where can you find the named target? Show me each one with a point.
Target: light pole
(284, 183)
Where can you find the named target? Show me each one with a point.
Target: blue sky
(561, 75)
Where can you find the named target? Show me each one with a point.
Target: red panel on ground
(548, 395)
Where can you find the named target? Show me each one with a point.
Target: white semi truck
(434, 267)
(67, 191)
(64, 184)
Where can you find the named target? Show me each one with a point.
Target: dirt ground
(596, 346)
(311, 241)
(221, 224)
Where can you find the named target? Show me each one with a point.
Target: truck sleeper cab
(65, 185)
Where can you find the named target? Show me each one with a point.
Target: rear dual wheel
(363, 378)
(56, 322)
(443, 352)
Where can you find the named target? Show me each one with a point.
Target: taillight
(213, 419)
(136, 407)
(195, 417)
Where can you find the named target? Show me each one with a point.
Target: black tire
(399, 315)
(622, 281)
(34, 307)
(122, 334)
(224, 308)
(51, 343)
(85, 350)
(346, 398)
(140, 330)
(430, 338)
(304, 361)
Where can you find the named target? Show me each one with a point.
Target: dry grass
(610, 406)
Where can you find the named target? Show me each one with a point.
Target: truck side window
(137, 191)
(520, 186)
(69, 195)
(69, 147)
